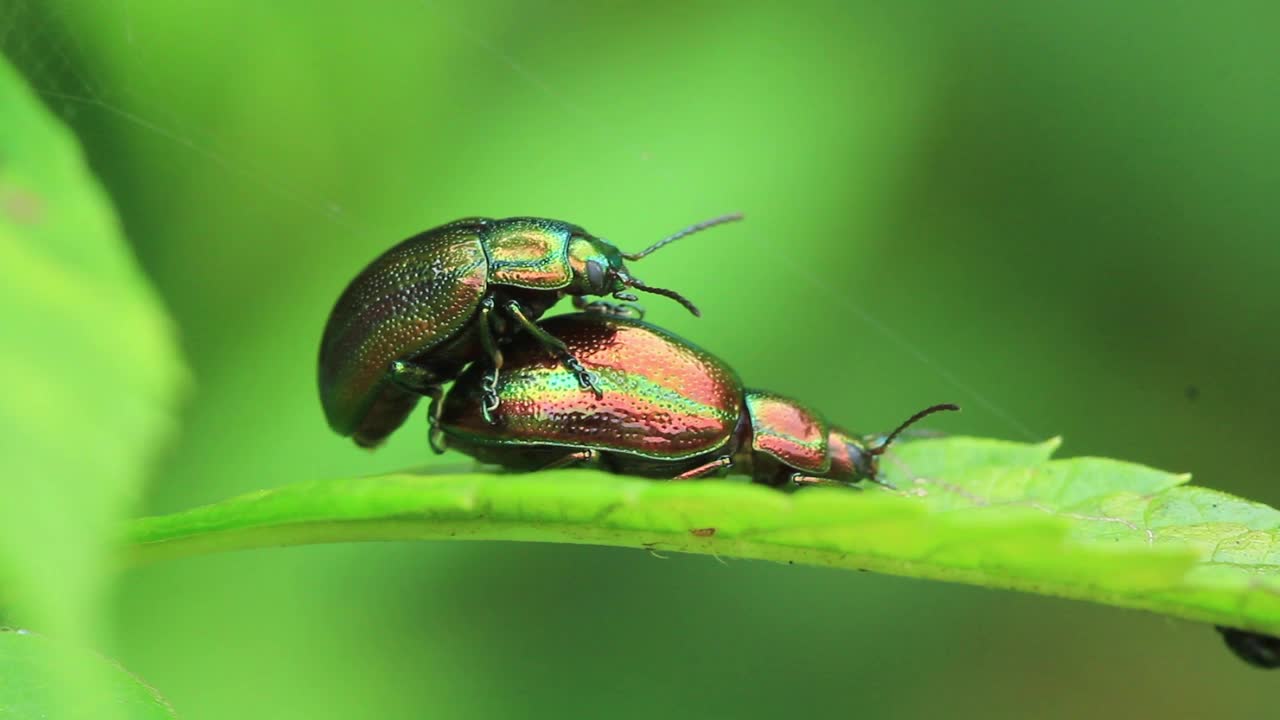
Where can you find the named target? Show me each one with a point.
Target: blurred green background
(1061, 216)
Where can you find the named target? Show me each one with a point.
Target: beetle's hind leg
(490, 382)
(556, 347)
(628, 311)
(418, 379)
(413, 377)
(435, 434)
(573, 458)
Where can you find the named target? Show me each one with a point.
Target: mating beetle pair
(463, 301)
(418, 314)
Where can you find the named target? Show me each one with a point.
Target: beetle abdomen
(414, 297)
(662, 397)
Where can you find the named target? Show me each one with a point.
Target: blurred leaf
(982, 512)
(88, 374)
(26, 661)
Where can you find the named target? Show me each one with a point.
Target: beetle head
(866, 460)
(599, 268)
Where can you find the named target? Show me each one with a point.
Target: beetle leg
(490, 401)
(723, 461)
(435, 434)
(490, 383)
(572, 458)
(629, 311)
(416, 378)
(413, 377)
(800, 480)
(556, 347)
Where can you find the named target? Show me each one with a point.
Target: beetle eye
(595, 275)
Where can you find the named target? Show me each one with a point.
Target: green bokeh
(1060, 216)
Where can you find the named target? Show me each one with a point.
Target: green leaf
(982, 512)
(89, 371)
(28, 659)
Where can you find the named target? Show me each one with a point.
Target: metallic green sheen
(530, 253)
(663, 398)
(414, 297)
(420, 306)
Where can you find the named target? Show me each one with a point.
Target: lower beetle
(412, 319)
(670, 410)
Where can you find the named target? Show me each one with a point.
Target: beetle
(420, 312)
(670, 410)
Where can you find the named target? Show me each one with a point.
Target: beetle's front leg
(490, 382)
(628, 311)
(800, 480)
(555, 346)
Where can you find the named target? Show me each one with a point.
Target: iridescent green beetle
(671, 410)
(423, 310)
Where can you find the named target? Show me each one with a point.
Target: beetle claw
(435, 438)
(435, 434)
(490, 401)
(586, 378)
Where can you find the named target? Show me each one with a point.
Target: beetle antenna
(632, 282)
(697, 227)
(884, 444)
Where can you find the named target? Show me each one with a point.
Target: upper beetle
(420, 312)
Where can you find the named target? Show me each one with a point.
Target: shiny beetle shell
(663, 398)
(414, 297)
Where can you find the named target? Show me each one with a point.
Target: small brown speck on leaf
(702, 532)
